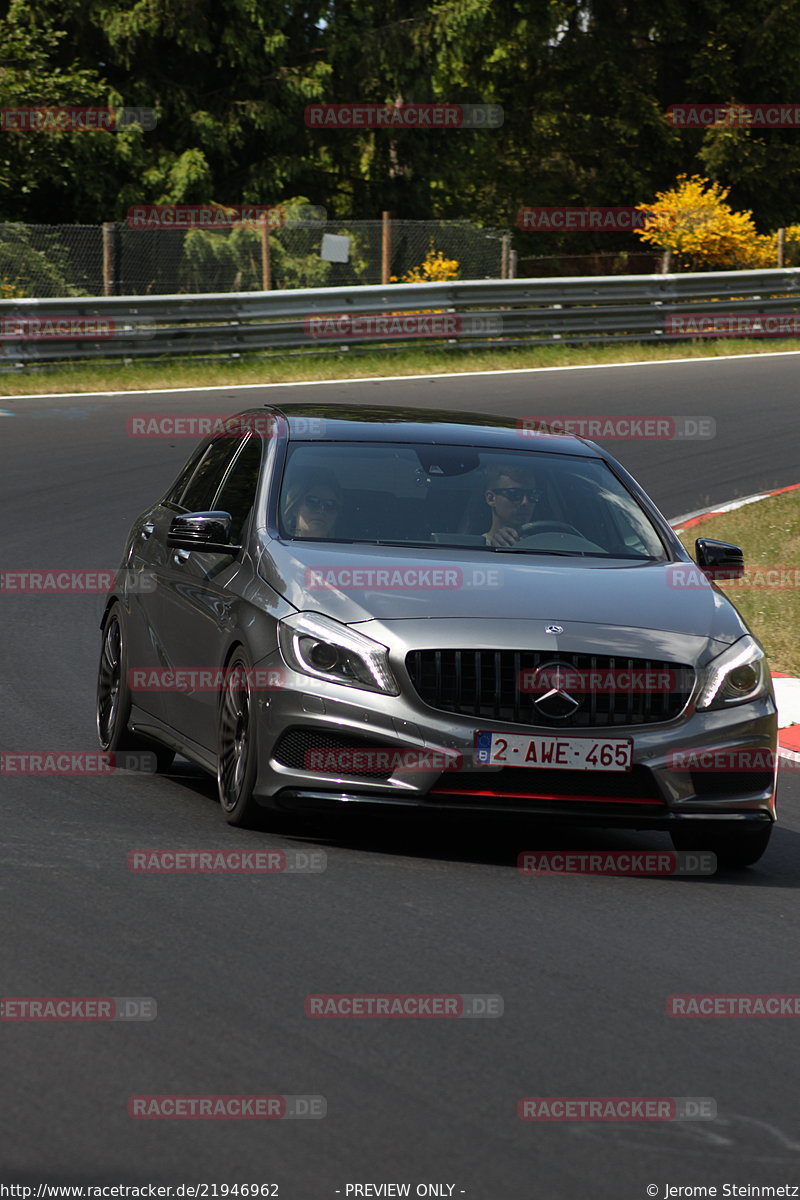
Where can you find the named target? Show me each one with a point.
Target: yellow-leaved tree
(433, 268)
(704, 233)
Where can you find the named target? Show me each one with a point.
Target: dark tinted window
(239, 490)
(204, 483)
(439, 495)
(190, 466)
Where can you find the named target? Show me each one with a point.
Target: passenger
(512, 498)
(312, 504)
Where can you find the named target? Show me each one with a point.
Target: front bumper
(656, 794)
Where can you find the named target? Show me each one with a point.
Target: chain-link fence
(625, 262)
(114, 259)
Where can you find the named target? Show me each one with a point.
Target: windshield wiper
(554, 553)
(428, 545)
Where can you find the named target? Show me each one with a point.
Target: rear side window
(203, 485)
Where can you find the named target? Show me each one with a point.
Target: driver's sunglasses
(515, 495)
(317, 504)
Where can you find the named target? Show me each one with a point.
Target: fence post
(513, 259)
(666, 262)
(109, 283)
(781, 246)
(266, 265)
(386, 246)
(505, 248)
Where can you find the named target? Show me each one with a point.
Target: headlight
(319, 646)
(737, 675)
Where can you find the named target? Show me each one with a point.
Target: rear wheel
(114, 696)
(237, 750)
(735, 844)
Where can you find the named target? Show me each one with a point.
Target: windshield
(428, 495)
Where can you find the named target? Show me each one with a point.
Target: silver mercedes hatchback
(344, 605)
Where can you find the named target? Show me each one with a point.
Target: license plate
(559, 753)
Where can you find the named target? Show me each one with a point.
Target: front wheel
(237, 750)
(114, 696)
(735, 844)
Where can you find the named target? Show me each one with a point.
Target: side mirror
(719, 560)
(207, 531)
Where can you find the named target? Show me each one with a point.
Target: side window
(187, 471)
(203, 485)
(238, 492)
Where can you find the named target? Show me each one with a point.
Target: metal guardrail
(472, 314)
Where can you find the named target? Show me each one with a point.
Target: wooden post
(266, 266)
(666, 262)
(386, 247)
(781, 246)
(513, 261)
(506, 246)
(109, 283)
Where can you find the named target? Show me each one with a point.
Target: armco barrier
(472, 314)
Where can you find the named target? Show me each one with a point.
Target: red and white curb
(787, 688)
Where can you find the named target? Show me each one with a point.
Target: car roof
(368, 423)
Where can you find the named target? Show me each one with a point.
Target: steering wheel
(548, 527)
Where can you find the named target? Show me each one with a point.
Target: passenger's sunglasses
(317, 504)
(515, 494)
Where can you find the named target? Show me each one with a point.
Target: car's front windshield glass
(438, 495)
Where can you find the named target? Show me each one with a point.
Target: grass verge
(222, 372)
(768, 596)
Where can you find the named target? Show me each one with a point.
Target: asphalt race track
(584, 964)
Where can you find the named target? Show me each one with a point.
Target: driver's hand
(506, 535)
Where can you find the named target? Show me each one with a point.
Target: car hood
(456, 585)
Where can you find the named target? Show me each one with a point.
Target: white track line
(240, 387)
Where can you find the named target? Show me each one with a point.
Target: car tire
(735, 845)
(237, 747)
(114, 699)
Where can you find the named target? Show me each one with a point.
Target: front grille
(620, 787)
(309, 750)
(485, 684)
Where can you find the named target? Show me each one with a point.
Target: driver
(312, 504)
(512, 498)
